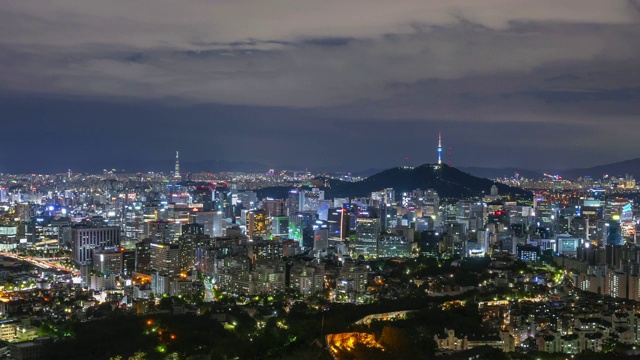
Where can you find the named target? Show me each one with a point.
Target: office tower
(339, 202)
(212, 222)
(108, 261)
(143, 255)
(23, 211)
(85, 239)
(323, 209)
(311, 200)
(338, 221)
(165, 258)
(249, 199)
(188, 245)
(367, 235)
(128, 261)
(160, 231)
(193, 229)
(389, 196)
(612, 233)
(134, 224)
(274, 207)
(293, 202)
(280, 226)
(203, 195)
(300, 228)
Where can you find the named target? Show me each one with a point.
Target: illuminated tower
(176, 172)
(439, 148)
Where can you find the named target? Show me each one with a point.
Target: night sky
(333, 84)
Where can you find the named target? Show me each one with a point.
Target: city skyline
(333, 85)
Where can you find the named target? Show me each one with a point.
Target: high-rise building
(85, 239)
(274, 207)
(212, 222)
(612, 233)
(108, 261)
(293, 202)
(338, 222)
(203, 195)
(301, 228)
(165, 258)
(367, 235)
(188, 245)
(176, 172)
(310, 200)
(279, 226)
(256, 223)
(193, 229)
(160, 231)
(249, 199)
(143, 255)
(128, 261)
(617, 281)
(307, 280)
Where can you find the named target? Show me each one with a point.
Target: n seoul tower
(439, 148)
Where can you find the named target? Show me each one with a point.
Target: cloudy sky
(349, 84)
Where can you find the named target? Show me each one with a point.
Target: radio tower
(439, 147)
(176, 172)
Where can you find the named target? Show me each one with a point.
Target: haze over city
(302, 84)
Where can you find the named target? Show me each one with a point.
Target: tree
(165, 303)
(395, 341)
(138, 356)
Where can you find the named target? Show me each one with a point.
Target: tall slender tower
(176, 172)
(439, 147)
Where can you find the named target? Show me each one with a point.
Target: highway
(41, 263)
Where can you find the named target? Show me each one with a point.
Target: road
(41, 263)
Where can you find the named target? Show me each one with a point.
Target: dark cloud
(231, 79)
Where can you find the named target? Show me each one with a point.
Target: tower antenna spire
(439, 147)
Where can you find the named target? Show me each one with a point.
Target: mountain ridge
(449, 182)
(620, 168)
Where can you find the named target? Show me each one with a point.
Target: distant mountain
(449, 182)
(631, 167)
(494, 173)
(366, 173)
